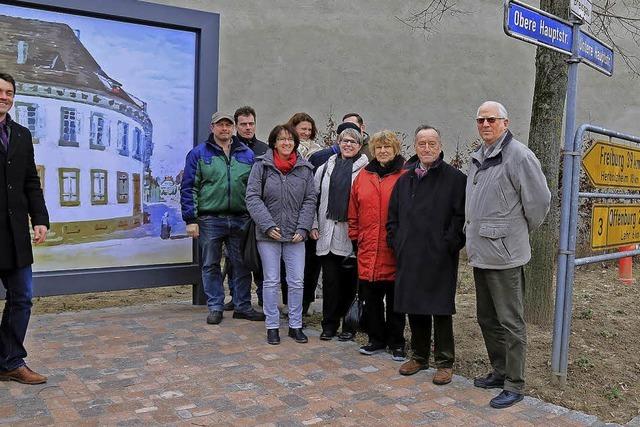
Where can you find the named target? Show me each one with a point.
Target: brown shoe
(23, 375)
(411, 367)
(443, 376)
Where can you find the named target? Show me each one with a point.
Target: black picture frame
(206, 27)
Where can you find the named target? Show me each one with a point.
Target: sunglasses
(490, 120)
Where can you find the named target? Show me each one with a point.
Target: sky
(154, 64)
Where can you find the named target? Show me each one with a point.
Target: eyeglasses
(349, 141)
(490, 120)
(285, 138)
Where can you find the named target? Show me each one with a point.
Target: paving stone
(121, 366)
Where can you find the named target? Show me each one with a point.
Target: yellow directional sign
(612, 165)
(614, 225)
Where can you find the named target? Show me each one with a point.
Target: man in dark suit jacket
(20, 199)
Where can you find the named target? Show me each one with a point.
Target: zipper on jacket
(228, 160)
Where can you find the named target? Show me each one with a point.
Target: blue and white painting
(110, 105)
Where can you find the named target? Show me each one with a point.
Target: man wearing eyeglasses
(506, 198)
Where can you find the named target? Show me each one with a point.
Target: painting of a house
(94, 143)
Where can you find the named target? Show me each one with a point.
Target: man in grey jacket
(506, 198)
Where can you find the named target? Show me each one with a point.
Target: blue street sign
(537, 26)
(596, 54)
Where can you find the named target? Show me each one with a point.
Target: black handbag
(354, 319)
(249, 244)
(249, 247)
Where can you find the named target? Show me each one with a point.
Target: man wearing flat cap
(212, 198)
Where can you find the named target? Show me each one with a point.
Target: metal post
(569, 198)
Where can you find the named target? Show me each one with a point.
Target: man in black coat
(425, 231)
(20, 199)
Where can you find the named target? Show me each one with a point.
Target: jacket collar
(358, 163)
(395, 165)
(495, 158)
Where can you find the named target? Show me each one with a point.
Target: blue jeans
(293, 256)
(15, 317)
(214, 230)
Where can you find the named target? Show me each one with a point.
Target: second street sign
(614, 225)
(612, 165)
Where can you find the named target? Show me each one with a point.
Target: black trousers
(378, 301)
(312, 269)
(339, 281)
(444, 350)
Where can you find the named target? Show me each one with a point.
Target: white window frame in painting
(99, 187)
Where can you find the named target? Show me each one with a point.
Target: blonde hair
(385, 137)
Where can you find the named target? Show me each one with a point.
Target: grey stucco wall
(283, 56)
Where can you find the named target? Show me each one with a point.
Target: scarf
(284, 166)
(391, 167)
(340, 189)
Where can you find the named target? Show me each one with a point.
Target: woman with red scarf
(281, 199)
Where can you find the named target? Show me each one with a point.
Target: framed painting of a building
(115, 94)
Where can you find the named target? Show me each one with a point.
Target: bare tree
(616, 22)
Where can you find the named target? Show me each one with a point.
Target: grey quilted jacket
(288, 201)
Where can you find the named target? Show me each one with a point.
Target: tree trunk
(545, 140)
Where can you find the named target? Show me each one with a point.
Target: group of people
(376, 224)
(388, 228)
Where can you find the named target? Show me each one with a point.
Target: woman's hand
(274, 233)
(314, 234)
(297, 238)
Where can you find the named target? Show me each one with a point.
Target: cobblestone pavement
(163, 365)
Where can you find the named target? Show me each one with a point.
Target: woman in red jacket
(368, 207)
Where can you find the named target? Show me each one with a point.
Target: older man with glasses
(506, 198)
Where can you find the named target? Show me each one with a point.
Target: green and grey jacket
(214, 184)
(506, 198)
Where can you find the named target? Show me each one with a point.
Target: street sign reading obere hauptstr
(612, 165)
(541, 28)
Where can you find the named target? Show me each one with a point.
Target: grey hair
(352, 133)
(501, 110)
(426, 127)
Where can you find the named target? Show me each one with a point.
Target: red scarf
(283, 165)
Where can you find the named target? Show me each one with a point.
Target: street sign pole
(566, 253)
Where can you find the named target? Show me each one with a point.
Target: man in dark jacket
(20, 199)
(245, 120)
(424, 229)
(212, 200)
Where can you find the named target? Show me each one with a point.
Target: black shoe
(398, 354)
(229, 306)
(327, 335)
(214, 317)
(506, 399)
(490, 381)
(273, 336)
(298, 335)
(371, 349)
(253, 315)
(346, 336)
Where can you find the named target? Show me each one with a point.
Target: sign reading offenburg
(612, 165)
(614, 225)
(536, 26)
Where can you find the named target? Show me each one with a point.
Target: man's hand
(193, 230)
(314, 234)
(297, 238)
(274, 233)
(39, 234)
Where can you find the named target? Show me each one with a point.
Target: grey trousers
(293, 256)
(500, 311)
